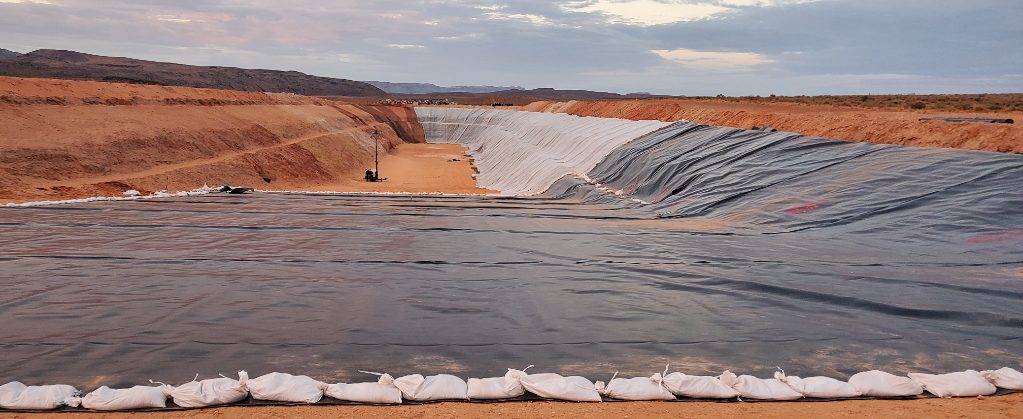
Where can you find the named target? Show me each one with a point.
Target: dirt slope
(79, 66)
(61, 139)
(839, 122)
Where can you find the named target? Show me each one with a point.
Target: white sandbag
(435, 387)
(506, 387)
(637, 388)
(211, 392)
(818, 387)
(554, 386)
(138, 397)
(1005, 378)
(752, 387)
(876, 383)
(967, 383)
(15, 395)
(382, 391)
(698, 387)
(281, 387)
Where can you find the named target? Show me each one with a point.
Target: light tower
(376, 153)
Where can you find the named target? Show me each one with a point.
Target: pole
(376, 154)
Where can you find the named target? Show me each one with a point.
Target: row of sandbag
(281, 387)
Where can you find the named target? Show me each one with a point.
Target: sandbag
(382, 391)
(752, 387)
(435, 387)
(637, 388)
(138, 397)
(967, 383)
(876, 383)
(506, 387)
(1005, 378)
(211, 392)
(818, 387)
(699, 387)
(554, 386)
(15, 395)
(281, 387)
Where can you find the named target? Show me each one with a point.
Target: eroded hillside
(62, 139)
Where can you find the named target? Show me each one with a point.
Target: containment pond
(116, 293)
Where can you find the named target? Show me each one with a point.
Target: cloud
(661, 12)
(172, 19)
(761, 3)
(522, 17)
(460, 37)
(713, 60)
(648, 12)
(355, 59)
(405, 46)
(663, 46)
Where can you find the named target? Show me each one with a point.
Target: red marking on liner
(804, 208)
(996, 237)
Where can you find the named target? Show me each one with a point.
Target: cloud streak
(714, 60)
(648, 12)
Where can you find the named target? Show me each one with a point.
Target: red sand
(418, 168)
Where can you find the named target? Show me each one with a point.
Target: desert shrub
(918, 105)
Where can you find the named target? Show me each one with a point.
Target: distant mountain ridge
(62, 64)
(548, 93)
(6, 54)
(522, 97)
(427, 88)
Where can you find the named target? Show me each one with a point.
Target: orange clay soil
(417, 168)
(1008, 406)
(848, 123)
(64, 139)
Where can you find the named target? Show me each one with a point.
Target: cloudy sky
(691, 47)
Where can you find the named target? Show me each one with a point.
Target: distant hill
(8, 54)
(547, 93)
(522, 97)
(425, 88)
(61, 64)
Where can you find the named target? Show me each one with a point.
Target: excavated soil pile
(846, 123)
(65, 139)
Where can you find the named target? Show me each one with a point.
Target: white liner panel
(522, 153)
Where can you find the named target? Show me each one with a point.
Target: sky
(677, 47)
